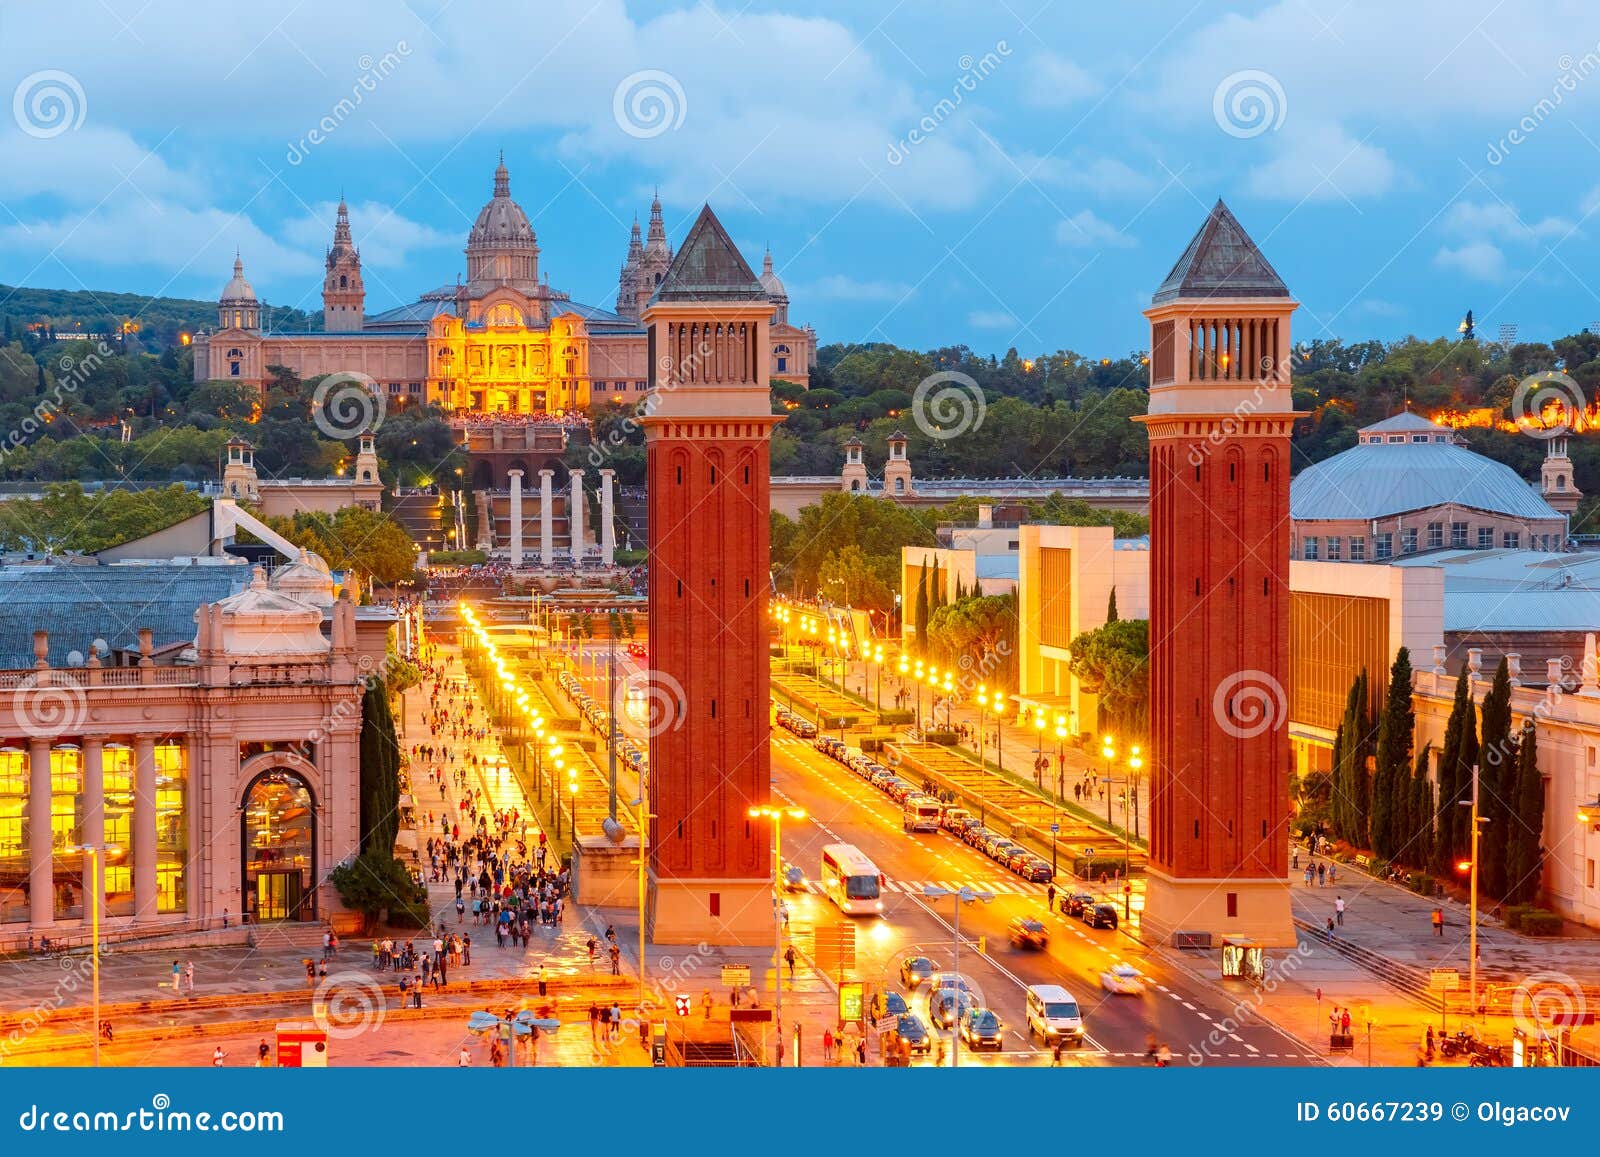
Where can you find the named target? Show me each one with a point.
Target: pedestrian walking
(1322, 872)
(543, 980)
(827, 1046)
(218, 1057)
(1338, 910)
(188, 977)
(790, 957)
(177, 978)
(1438, 928)
(616, 961)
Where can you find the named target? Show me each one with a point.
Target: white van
(1053, 1013)
(920, 813)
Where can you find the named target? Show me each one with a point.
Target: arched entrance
(278, 834)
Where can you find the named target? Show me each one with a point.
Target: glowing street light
(776, 815)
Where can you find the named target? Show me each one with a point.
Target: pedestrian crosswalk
(1000, 887)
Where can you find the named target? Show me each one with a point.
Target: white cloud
(837, 287)
(1500, 221)
(1480, 260)
(1102, 176)
(383, 236)
(1321, 163)
(1083, 230)
(991, 319)
(86, 165)
(1054, 81)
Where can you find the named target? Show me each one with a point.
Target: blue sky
(1005, 173)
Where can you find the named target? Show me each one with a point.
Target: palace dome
(501, 222)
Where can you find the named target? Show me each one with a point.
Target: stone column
(144, 828)
(547, 519)
(608, 531)
(575, 516)
(94, 813)
(41, 882)
(516, 519)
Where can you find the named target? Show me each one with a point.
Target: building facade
(216, 773)
(502, 341)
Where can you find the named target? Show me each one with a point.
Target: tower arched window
(344, 281)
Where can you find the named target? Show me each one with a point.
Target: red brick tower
(1219, 423)
(707, 433)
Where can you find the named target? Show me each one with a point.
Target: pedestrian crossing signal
(684, 1005)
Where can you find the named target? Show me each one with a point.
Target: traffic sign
(735, 975)
(1444, 979)
(1055, 828)
(886, 1024)
(683, 1004)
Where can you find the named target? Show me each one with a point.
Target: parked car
(915, 970)
(888, 1002)
(981, 1029)
(1100, 916)
(956, 820)
(1018, 858)
(1037, 871)
(1027, 932)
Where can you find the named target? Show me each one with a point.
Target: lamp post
(1472, 892)
(1108, 751)
(1061, 756)
(982, 700)
(96, 857)
(877, 683)
(965, 895)
(643, 821)
(777, 815)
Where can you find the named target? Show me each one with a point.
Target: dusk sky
(999, 174)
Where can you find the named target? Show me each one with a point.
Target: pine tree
(1391, 781)
(1525, 853)
(1111, 606)
(1497, 765)
(1421, 810)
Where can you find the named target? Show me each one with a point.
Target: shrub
(1422, 883)
(894, 717)
(943, 738)
(1512, 915)
(1090, 867)
(457, 558)
(1538, 922)
(375, 882)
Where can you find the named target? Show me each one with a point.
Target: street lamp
(643, 821)
(1472, 891)
(777, 815)
(1108, 751)
(97, 876)
(964, 895)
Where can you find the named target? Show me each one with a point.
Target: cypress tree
(1111, 606)
(1497, 764)
(1391, 781)
(1461, 714)
(380, 772)
(1421, 810)
(1352, 790)
(920, 616)
(1525, 853)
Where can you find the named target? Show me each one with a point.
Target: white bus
(851, 880)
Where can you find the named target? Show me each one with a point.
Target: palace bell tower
(708, 427)
(1219, 422)
(343, 296)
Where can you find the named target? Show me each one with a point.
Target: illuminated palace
(502, 341)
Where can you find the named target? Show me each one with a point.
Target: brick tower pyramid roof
(1221, 262)
(709, 267)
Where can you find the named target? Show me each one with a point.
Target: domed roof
(501, 222)
(238, 289)
(1407, 463)
(769, 279)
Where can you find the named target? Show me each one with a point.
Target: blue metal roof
(1569, 610)
(1377, 480)
(77, 604)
